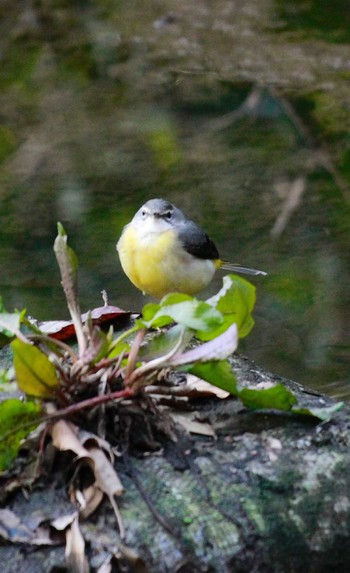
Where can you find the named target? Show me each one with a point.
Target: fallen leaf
(64, 438)
(189, 422)
(88, 439)
(12, 529)
(64, 329)
(89, 499)
(37, 533)
(105, 474)
(75, 549)
(61, 523)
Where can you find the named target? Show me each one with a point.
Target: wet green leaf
(13, 414)
(183, 309)
(235, 301)
(164, 342)
(323, 414)
(35, 374)
(276, 398)
(218, 372)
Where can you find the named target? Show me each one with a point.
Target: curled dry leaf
(37, 532)
(65, 437)
(106, 476)
(89, 499)
(75, 549)
(88, 439)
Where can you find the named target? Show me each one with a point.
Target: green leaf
(175, 298)
(217, 349)
(218, 372)
(10, 323)
(325, 414)
(183, 309)
(235, 301)
(148, 312)
(163, 343)
(35, 374)
(276, 398)
(120, 347)
(7, 383)
(13, 414)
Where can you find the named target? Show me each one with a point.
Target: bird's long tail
(238, 269)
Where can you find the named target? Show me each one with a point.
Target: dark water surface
(89, 135)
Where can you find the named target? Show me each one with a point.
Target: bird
(162, 251)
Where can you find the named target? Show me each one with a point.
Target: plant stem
(90, 403)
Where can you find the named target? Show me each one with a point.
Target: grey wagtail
(162, 251)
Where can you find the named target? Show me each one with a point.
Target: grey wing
(196, 242)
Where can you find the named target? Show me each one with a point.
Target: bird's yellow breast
(157, 263)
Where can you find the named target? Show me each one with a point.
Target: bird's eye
(168, 215)
(143, 212)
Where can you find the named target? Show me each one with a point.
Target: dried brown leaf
(64, 437)
(88, 440)
(189, 422)
(64, 329)
(89, 499)
(75, 549)
(106, 477)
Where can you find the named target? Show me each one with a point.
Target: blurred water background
(236, 111)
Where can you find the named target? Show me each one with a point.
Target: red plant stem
(90, 403)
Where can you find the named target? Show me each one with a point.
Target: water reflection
(232, 158)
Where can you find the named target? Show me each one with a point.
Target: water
(86, 143)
